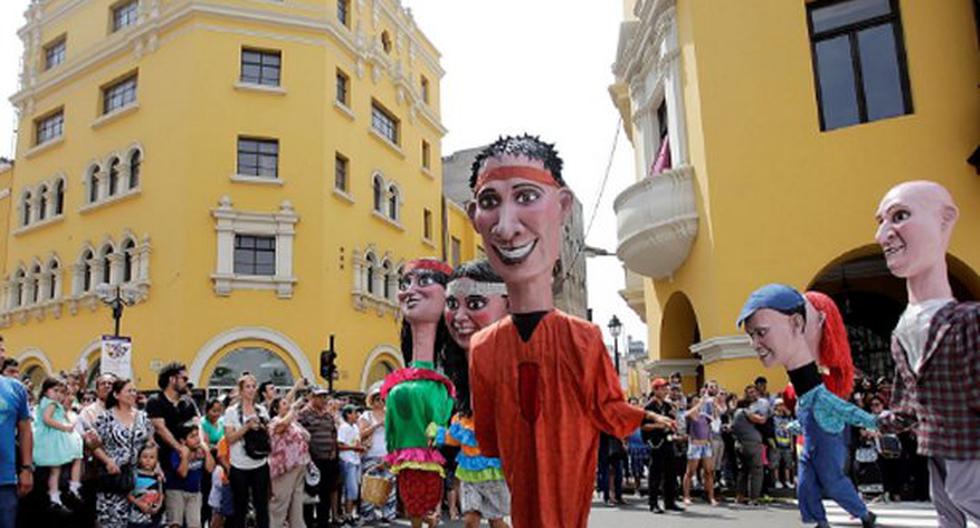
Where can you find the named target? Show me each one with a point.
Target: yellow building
(785, 124)
(251, 174)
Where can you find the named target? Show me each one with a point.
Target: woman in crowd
(372, 427)
(246, 422)
(123, 431)
(418, 396)
(287, 464)
(213, 427)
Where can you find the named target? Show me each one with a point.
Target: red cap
(658, 382)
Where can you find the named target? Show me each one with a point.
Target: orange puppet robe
(540, 406)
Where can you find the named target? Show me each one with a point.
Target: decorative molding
(109, 200)
(38, 224)
(344, 109)
(262, 180)
(724, 347)
(220, 341)
(260, 88)
(44, 147)
(386, 142)
(118, 113)
(377, 352)
(36, 354)
(665, 367)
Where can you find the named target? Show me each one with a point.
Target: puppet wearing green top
(417, 396)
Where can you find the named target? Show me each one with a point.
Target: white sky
(540, 66)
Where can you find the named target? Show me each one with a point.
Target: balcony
(657, 221)
(633, 294)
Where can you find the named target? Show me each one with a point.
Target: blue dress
(53, 447)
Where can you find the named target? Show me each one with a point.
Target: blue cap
(773, 296)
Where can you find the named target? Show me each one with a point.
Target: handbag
(889, 446)
(121, 483)
(258, 445)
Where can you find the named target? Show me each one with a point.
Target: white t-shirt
(377, 448)
(239, 458)
(912, 330)
(349, 434)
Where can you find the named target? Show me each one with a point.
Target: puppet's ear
(566, 199)
(471, 211)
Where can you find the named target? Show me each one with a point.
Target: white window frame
(230, 222)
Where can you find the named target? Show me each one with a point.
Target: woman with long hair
(418, 396)
(246, 422)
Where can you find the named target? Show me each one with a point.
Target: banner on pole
(117, 356)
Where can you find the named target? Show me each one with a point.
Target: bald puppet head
(915, 221)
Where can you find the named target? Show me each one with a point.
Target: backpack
(258, 445)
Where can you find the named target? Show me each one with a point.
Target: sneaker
(869, 522)
(59, 509)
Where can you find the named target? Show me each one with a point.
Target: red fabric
(507, 172)
(419, 491)
(540, 406)
(835, 350)
(662, 162)
(413, 373)
(427, 264)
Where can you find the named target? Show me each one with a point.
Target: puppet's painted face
(910, 230)
(520, 222)
(774, 335)
(468, 310)
(421, 297)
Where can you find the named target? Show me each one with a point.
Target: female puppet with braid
(417, 396)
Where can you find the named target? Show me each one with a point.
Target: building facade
(250, 176)
(764, 139)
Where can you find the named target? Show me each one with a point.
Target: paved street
(777, 515)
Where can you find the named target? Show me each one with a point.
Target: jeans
(256, 481)
(616, 465)
(821, 473)
(8, 506)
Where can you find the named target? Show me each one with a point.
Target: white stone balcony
(633, 294)
(657, 220)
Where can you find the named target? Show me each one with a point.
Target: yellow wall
(190, 114)
(778, 199)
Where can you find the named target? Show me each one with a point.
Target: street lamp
(615, 327)
(117, 297)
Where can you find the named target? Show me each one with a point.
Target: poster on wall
(117, 356)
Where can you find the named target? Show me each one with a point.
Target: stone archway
(383, 360)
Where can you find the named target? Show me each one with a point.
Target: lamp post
(615, 327)
(117, 297)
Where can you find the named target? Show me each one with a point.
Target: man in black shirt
(171, 408)
(660, 439)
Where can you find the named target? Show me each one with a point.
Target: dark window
(384, 123)
(662, 119)
(26, 220)
(456, 248)
(393, 203)
(36, 284)
(54, 53)
(370, 274)
(386, 41)
(93, 184)
(128, 251)
(53, 283)
(261, 67)
(118, 95)
(378, 191)
(113, 176)
(425, 90)
(42, 202)
(255, 255)
(340, 173)
(87, 271)
(343, 11)
(124, 15)
(858, 61)
(258, 157)
(386, 280)
(59, 197)
(106, 265)
(135, 164)
(343, 88)
(426, 154)
(427, 224)
(50, 127)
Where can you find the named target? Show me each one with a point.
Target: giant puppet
(542, 383)
(826, 337)
(774, 317)
(936, 348)
(417, 396)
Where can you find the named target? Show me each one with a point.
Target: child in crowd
(219, 498)
(147, 494)
(184, 487)
(56, 443)
(782, 453)
(349, 445)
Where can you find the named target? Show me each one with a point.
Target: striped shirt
(323, 433)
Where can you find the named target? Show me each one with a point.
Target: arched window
(387, 280)
(42, 202)
(26, 220)
(264, 364)
(113, 176)
(370, 264)
(87, 271)
(378, 186)
(18, 288)
(92, 180)
(59, 197)
(393, 202)
(35, 288)
(53, 281)
(106, 264)
(135, 161)
(129, 248)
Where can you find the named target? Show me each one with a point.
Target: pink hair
(835, 350)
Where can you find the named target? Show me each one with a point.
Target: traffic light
(328, 364)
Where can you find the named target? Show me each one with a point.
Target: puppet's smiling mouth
(891, 251)
(515, 255)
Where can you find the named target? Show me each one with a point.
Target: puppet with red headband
(936, 348)
(417, 397)
(542, 383)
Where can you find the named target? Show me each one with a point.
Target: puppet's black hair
(524, 145)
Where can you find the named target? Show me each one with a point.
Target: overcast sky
(541, 66)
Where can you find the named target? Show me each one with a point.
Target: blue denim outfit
(822, 416)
